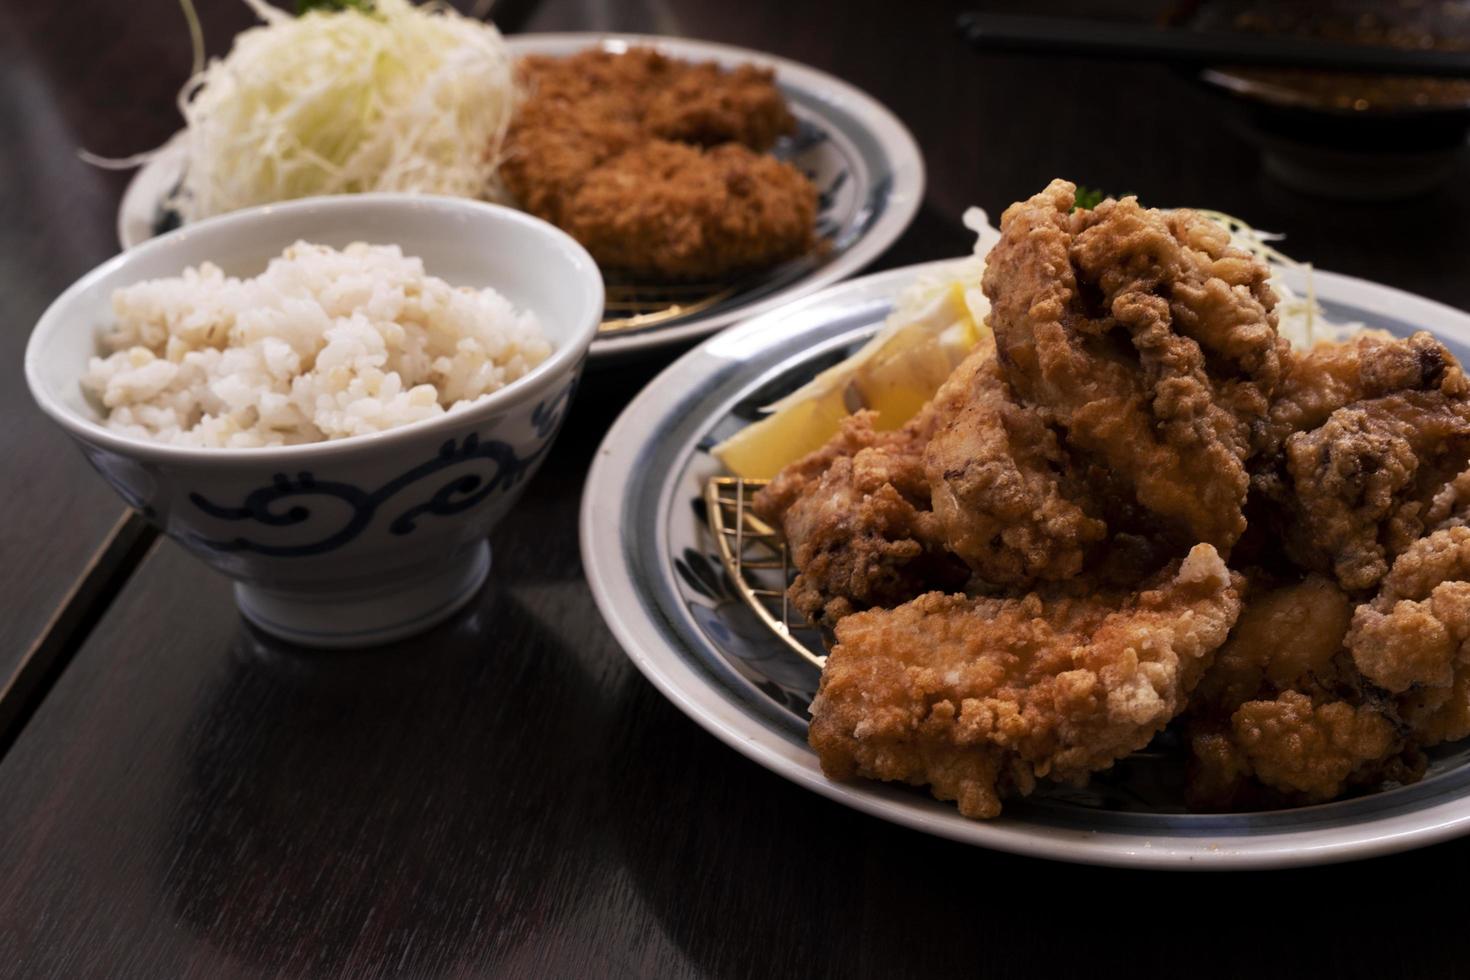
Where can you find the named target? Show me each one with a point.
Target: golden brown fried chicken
(1320, 379)
(979, 698)
(1370, 431)
(1148, 342)
(1451, 506)
(1311, 749)
(1308, 703)
(1362, 482)
(1137, 401)
(656, 165)
(995, 472)
(1282, 715)
(1285, 635)
(856, 513)
(1413, 638)
(861, 533)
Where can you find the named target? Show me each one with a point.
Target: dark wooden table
(507, 795)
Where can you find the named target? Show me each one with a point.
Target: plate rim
(609, 574)
(903, 202)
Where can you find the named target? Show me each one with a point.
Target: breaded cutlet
(656, 165)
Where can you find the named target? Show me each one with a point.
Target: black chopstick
(99, 583)
(1102, 39)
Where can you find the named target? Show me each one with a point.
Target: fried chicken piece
(1362, 483)
(1115, 451)
(1451, 505)
(856, 514)
(994, 472)
(979, 698)
(666, 209)
(1327, 376)
(1300, 703)
(1065, 656)
(1413, 638)
(654, 163)
(1284, 636)
(1148, 342)
(1312, 750)
(1268, 715)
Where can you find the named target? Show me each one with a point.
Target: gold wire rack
(754, 555)
(632, 304)
(635, 305)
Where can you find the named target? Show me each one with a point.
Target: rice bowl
(324, 344)
(356, 541)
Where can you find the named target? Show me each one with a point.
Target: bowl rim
(563, 360)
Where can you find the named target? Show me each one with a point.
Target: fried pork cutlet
(687, 212)
(657, 165)
(980, 698)
(706, 105)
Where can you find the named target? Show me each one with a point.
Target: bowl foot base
(367, 617)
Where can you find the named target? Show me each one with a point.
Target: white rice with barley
(324, 344)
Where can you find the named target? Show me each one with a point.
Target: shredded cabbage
(1301, 319)
(401, 98)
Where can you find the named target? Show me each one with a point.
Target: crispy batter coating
(1451, 505)
(1413, 638)
(1308, 700)
(856, 514)
(704, 104)
(978, 698)
(1327, 376)
(1362, 483)
(686, 212)
(1149, 343)
(1311, 750)
(1284, 637)
(994, 468)
(1328, 518)
(1280, 715)
(655, 164)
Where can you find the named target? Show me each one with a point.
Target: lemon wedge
(936, 321)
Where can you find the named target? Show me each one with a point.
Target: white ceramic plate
(657, 578)
(862, 159)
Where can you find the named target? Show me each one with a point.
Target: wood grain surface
(506, 796)
(56, 220)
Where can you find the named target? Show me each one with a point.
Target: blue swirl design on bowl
(456, 496)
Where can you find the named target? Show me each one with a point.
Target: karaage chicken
(1283, 715)
(1369, 432)
(1137, 405)
(1148, 344)
(857, 514)
(978, 698)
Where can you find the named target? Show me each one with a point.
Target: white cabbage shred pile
(399, 98)
(1301, 319)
